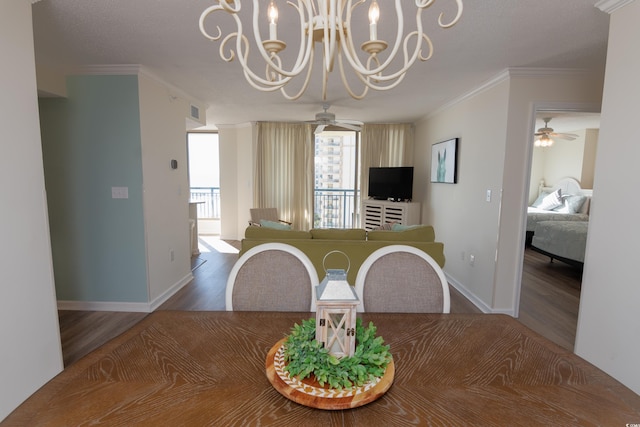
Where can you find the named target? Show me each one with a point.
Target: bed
(562, 240)
(571, 203)
(558, 221)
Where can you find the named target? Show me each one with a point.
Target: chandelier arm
(232, 53)
(304, 85)
(203, 16)
(255, 81)
(338, 41)
(309, 41)
(354, 60)
(407, 62)
(346, 83)
(369, 81)
(427, 40)
(243, 53)
(298, 65)
(242, 49)
(455, 19)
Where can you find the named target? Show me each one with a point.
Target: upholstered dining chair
(272, 277)
(402, 279)
(267, 214)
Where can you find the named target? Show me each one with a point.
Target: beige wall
(609, 323)
(166, 191)
(236, 179)
(463, 220)
(30, 352)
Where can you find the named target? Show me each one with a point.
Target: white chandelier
(326, 24)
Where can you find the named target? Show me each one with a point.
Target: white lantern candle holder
(336, 303)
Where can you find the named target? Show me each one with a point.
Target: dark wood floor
(542, 309)
(550, 298)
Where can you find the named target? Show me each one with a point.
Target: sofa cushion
(272, 233)
(423, 233)
(339, 233)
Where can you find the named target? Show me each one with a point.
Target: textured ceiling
(163, 36)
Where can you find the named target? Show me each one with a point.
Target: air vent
(195, 112)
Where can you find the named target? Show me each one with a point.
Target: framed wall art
(444, 161)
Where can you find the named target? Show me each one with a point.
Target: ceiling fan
(545, 134)
(326, 118)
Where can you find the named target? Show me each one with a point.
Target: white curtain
(284, 171)
(384, 145)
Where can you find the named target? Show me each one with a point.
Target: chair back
(268, 214)
(402, 279)
(272, 277)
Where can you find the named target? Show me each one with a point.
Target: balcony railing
(333, 207)
(211, 198)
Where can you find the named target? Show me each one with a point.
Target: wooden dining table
(208, 368)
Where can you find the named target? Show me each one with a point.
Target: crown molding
(505, 75)
(610, 6)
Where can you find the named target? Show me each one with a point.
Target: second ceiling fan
(325, 118)
(546, 134)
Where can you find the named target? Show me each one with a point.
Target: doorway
(204, 181)
(550, 290)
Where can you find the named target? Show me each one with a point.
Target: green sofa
(356, 243)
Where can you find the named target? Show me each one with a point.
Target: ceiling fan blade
(320, 128)
(567, 136)
(350, 122)
(348, 126)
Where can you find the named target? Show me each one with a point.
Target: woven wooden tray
(309, 393)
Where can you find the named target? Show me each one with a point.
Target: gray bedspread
(535, 216)
(567, 239)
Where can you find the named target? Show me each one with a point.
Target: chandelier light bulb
(273, 21)
(374, 15)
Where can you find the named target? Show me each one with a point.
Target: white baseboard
(134, 307)
(474, 299)
(171, 291)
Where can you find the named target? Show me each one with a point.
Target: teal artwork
(442, 167)
(444, 161)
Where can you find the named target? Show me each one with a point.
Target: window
(336, 195)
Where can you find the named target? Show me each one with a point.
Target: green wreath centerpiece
(305, 356)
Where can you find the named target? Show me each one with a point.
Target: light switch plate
(119, 192)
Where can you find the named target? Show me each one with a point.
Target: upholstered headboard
(569, 187)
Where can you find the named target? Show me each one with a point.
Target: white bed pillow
(552, 201)
(571, 204)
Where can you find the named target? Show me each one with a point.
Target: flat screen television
(391, 183)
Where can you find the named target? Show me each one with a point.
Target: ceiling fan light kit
(327, 25)
(544, 135)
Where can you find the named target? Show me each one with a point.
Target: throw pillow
(400, 227)
(385, 226)
(539, 200)
(552, 201)
(274, 224)
(571, 204)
